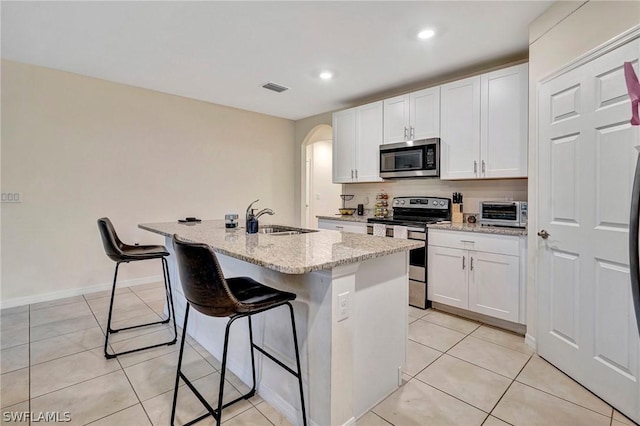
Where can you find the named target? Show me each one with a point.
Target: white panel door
(505, 124)
(494, 285)
(587, 157)
(447, 276)
(424, 113)
(460, 129)
(396, 119)
(344, 140)
(369, 139)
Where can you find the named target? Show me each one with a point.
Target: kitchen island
(350, 311)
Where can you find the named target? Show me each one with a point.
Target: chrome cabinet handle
(351, 173)
(471, 266)
(544, 234)
(405, 133)
(412, 132)
(467, 241)
(339, 227)
(463, 264)
(483, 166)
(356, 173)
(475, 167)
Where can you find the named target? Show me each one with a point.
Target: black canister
(360, 209)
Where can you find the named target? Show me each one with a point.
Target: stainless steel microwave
(504, 213)
(419, 158)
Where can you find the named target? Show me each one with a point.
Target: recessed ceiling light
(425, 34)
(326, 75)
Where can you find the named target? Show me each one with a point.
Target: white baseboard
(531, 342)
(285, 407)
(45, 297)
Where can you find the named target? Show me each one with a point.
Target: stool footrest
(276, 360)
(169, 343)
(164, 321)
(203, 401)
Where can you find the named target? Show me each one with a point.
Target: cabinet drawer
(490, 243)
(343, 225)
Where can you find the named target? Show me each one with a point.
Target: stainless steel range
(411, 215)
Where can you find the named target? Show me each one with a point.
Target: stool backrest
(202, 279)
(110, 241)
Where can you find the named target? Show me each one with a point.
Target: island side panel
(381, 329)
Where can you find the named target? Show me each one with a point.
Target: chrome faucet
(252, 218)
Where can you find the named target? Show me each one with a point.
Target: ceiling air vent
(275, 87)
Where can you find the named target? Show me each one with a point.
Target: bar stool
(119, 252)
(207, 290)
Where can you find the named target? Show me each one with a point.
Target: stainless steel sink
(282, 230)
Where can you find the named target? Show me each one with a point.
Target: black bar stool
(124, 253)
(211, 294)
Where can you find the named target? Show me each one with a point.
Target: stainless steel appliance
(504, 213)
(419, 158)
(413, 214)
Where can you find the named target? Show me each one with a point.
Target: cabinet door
(344, 140)
(396, 119)
(504, 139)
(460, 129)
(494, 285)
(424, 111)
(369, 139)
(447, 274)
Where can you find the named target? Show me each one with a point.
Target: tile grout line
(507, 390)
(115, 412)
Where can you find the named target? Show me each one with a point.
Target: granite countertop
(475, 227)
(348, 218)
(289, 254)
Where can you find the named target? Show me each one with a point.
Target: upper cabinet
(357, 135)
(484, 125)
(412, 116)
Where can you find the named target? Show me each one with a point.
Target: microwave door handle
(634, 228)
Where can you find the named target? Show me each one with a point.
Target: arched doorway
(320, 196)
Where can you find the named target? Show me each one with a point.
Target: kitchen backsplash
(473, 191)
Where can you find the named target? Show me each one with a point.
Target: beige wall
(302, 129)
(80, 148)
(566, 31)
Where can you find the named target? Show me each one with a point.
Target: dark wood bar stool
(209, 293)
(124, 253)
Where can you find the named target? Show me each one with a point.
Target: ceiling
(223, 52)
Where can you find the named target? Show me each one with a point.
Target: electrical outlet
(343, 306)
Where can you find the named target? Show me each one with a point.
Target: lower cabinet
(343, 225)
(489, 283)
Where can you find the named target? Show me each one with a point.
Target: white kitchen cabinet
(485, 276)
(343, 225)
(413, 116)
(448, 280)
(357, 135)
(484, 125)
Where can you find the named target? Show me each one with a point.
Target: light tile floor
(458, 372)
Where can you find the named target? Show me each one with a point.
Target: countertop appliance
(504, 213)
(419, 158)
(412, 214)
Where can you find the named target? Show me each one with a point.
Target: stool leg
(223, 370)
(170, 307)
(253, 360)
(178, 373)
(108, 331)
(299, 375)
